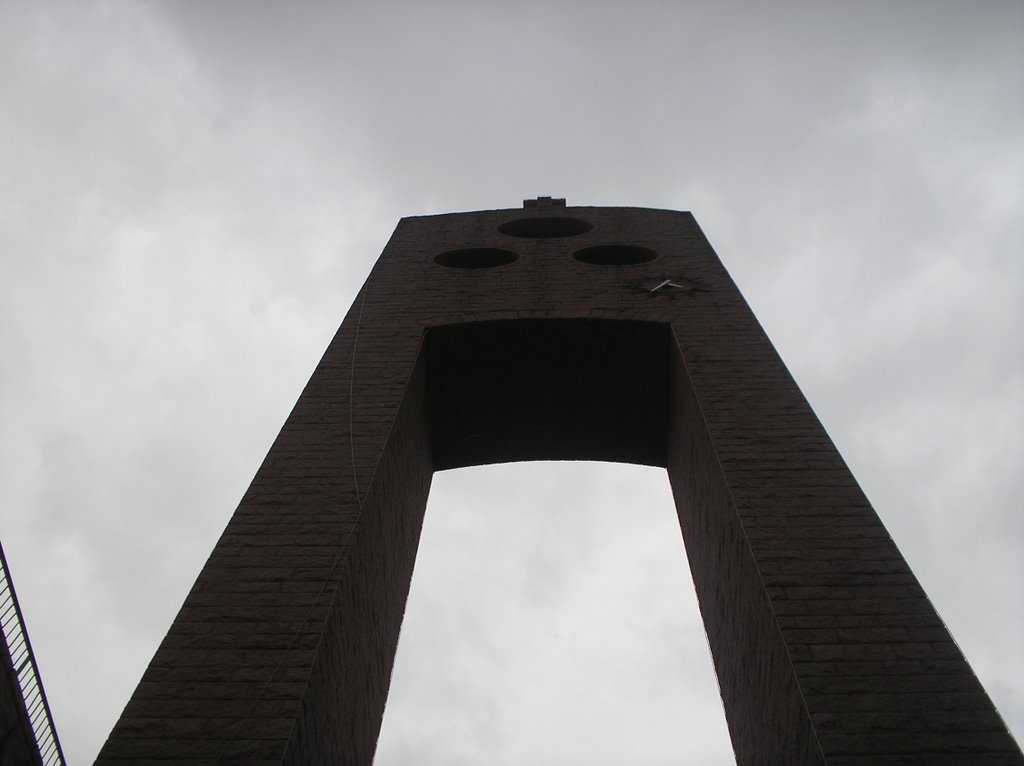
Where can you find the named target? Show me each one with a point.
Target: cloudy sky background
(192, 193)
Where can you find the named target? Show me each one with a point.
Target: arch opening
(550, 389)
(552, 618)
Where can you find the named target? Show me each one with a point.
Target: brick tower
(557, 333)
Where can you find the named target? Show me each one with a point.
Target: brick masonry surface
(550, 337)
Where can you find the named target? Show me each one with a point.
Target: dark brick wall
(768, 720)
(879, 676)
(826, 648)
(343, 705)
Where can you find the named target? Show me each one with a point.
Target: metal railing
(30, 686)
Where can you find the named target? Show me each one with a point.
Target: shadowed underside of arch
(580, 389)
(576, 333)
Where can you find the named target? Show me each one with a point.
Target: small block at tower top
(545, 202)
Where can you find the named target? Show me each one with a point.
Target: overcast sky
(192, 193)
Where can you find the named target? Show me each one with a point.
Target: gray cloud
(192, 195)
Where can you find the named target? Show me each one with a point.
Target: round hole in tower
(545, 228)
(615, 255)
(476, 258)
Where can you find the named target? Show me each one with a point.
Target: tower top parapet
(544, 202)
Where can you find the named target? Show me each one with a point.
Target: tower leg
(282, 652)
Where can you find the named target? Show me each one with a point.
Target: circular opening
(615, 255)
(476, 258)
(545, 228)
